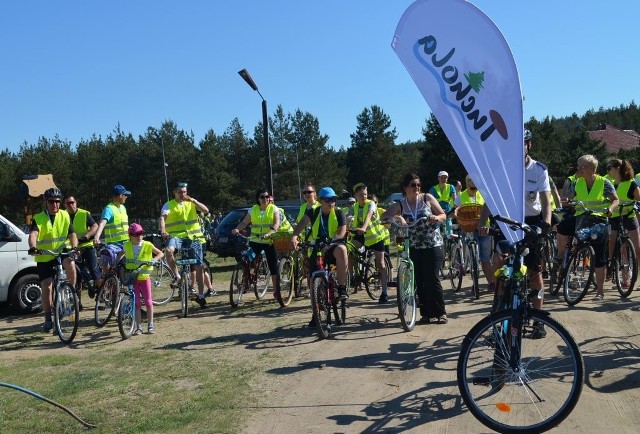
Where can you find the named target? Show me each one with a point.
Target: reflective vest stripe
(261, 223)
(622, 190)
(144, 255)
(117, 230)
(592, 199)
(51, 236)
(375, 231)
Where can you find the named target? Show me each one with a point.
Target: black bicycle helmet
(527, 135)
(52, 192)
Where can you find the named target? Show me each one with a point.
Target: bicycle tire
(301, 276)
(321, 307)
(127, 316)
(262, 278)
(579, 275)
(66, 312)
(106, 300)
(373, 284)
(625, 259)
(340, 312)
(184, 294)
(239, 284)
(456, 268)
(475, 272)
(287, 280)
(497, 396)
(406, 296)
(161, 277)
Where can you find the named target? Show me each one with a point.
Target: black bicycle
(511, 377)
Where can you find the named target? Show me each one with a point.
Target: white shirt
(536, 180)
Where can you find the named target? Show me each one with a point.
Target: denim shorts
(195, 248)
(484, 246)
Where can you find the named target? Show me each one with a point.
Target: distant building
(615, 139)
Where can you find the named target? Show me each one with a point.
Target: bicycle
(406, 288)
(467, 217)
(365, 271)
(109, 292)
(510, 380)
(187, 259)
(454, 258)
(293, 269)
(127, 309)
(324, 289)
(65, 305)
(161, 276)
(624, 262)
(251, 271)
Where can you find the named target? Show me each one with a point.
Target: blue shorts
(484, 246)
(191, 247)
(109, 254)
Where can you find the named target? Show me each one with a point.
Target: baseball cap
(442, 173)
(351, 200)
(359, 185)
(326, 192)
(120, 189)
(135, 229)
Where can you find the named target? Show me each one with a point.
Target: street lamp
(265, 128)
(164, 166)
(298, 169)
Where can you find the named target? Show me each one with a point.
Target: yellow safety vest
(593, 199)
(375, 231)
(387, 235)
(51, 236)
(117, 230)
(182, 220)
(285, 226)
(80, 226)
(622, 190)
(144, 255)
(261, 223)
(333, 225)
(444, 196)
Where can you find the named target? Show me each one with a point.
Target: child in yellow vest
(137, 251)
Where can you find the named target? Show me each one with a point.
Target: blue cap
(326, 192)
(120, 189)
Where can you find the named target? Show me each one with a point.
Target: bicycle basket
(282, 243)
(468, 216)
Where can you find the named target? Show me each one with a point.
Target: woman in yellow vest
(370, 232)
(597, 194)
(628, 192)
(137, 251)
(264, 219)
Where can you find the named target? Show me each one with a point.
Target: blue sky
(75, 68)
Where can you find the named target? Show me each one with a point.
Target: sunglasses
(415, 184)
(70, 202)
(308, 192)
(329, 199)
(264, 196)
(54, 201)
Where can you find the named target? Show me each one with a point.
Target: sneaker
(48, 326)
(210, 292)
(138, 331)
(202, 302)
(626, 285)
(151, 329)
(343, 294)
(384, 298)
(599, 297)
(538, 331)
(312, 323)
(192, 291)
(175, 282)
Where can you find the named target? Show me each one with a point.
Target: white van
(19, 282)
(393, 198)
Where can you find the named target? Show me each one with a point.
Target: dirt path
(370, 376)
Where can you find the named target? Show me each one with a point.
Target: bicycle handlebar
(406, 225)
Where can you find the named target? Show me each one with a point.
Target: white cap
(442, 173)
(351, 199)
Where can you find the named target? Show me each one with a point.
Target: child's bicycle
(127, 309)
(187, 259)
(510, 378)
(65, 300)
(251, 271)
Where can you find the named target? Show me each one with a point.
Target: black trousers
(426, 263)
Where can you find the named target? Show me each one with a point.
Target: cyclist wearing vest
(85, 227)
(596, 193)
(370, 232)
(628, 192)
(387, 234)
(472, 196)
(445, 194)
(309, 193)
(135, 252)
(264, 219)
(115, 223)
(285, 226)
(49, 230)
(179, 224)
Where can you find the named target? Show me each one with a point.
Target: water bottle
(447, 226)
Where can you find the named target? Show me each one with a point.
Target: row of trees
(224, 170)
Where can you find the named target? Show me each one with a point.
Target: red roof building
(615, 139)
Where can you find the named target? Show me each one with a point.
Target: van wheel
(26, 294)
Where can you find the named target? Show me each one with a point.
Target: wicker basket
(282, 243)
(468, 217)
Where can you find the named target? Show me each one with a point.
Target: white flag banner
(465, 71)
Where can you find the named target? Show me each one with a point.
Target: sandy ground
(370, 376)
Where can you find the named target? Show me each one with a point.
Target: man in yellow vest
(50, 230)
(180, 224)
(370, 233)
(114, 221)
(85, 227)
(445, 194)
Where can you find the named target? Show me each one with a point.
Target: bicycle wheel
(106, 300)
(184, 294)
(67, 313)
(539, 393)
(127, 315)
(626, 268)
(239, 284)
(321, 307)
(161, 277)
(406, 296)
(373, 284)
(456, 268)
(340, 312)
(475, 272)
(301, 275)
(262, 278)
(579, 275)
(285, 269)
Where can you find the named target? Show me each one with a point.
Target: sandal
(442, 319)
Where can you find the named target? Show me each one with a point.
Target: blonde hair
(590, 160)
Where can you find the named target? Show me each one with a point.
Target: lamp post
(164, 166)
(265, 129)
(298, 169)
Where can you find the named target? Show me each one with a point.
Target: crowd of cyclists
(361, 220)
